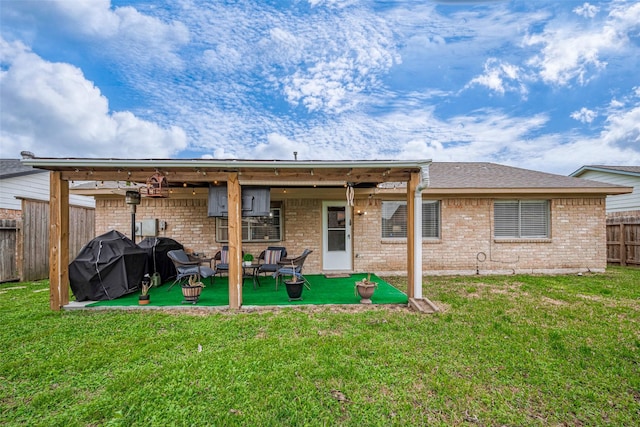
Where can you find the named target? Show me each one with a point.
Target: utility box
(149, 227)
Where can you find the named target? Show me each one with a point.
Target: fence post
(623, 246)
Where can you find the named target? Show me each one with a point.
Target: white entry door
(336, 236)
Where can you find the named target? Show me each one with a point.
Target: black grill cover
(107, 267)
(157, 259)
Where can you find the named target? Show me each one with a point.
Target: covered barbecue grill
(157, 259)
(107, 267)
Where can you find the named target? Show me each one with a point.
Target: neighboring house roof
(19, 181)
(10, 168)
(620, 175)
(623, 170)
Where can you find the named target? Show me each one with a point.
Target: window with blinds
(394, 219)
(521, 219)
(254, 229)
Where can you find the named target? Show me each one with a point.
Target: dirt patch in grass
(354, 308)
(553, 302)
(609, 302)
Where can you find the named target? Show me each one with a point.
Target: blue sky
(546, 85)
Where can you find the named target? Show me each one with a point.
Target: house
(24, 221)
(623, 211)
(18, 182)
(618, 205)
(357, 216)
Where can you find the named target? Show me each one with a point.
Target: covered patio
(301, 176)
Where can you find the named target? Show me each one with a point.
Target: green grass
(506, 350)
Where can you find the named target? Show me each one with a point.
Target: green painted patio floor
(334, 290)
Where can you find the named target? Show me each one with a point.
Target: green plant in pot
(294, 285)
(365, 288)
(145, 285)
(191, 291)
(247, 259)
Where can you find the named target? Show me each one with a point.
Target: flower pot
(143, 299)
(191, 294)
(294, 289)
(365, 289)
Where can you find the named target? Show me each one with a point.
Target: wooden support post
(234, 201)
(58, 242)
(411, 188)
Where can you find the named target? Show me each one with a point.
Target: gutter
(417, 232)
(418, 302)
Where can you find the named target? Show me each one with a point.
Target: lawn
(506, 350)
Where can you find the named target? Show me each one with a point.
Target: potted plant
(364, 288)
(247, 260)
(294, 285)
(191, 291)
(145, 285)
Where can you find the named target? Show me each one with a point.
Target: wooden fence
(30, 245)
(8, 239)
(623, 241)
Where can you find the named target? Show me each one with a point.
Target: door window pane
(336, 240)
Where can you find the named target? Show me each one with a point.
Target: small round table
(251, 272)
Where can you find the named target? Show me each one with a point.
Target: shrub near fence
(623, 240)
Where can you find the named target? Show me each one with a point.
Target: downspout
(417, 232)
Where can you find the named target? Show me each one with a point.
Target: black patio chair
(292, 267)
(221, 260)
(187, 266)
(270, 257)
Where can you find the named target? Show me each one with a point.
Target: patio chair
(292, 267)
(221, 260)
(187, 266)
(270, 257)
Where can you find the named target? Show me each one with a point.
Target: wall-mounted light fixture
(361, 212)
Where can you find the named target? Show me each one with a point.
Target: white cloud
(570, 54)
(50, 108)
(279, 146)
(345, 57)
(587, 10)
(626, 15)
(122, 31)
(584, 115)
(500, 77)
(575, 52)
(332, 3)
(623, 130)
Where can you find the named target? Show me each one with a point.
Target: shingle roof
(13, 167)
(470, 175)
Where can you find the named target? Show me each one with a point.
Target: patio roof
(236, 173)
(256, 172)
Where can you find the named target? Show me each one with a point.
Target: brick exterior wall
(466, 246)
